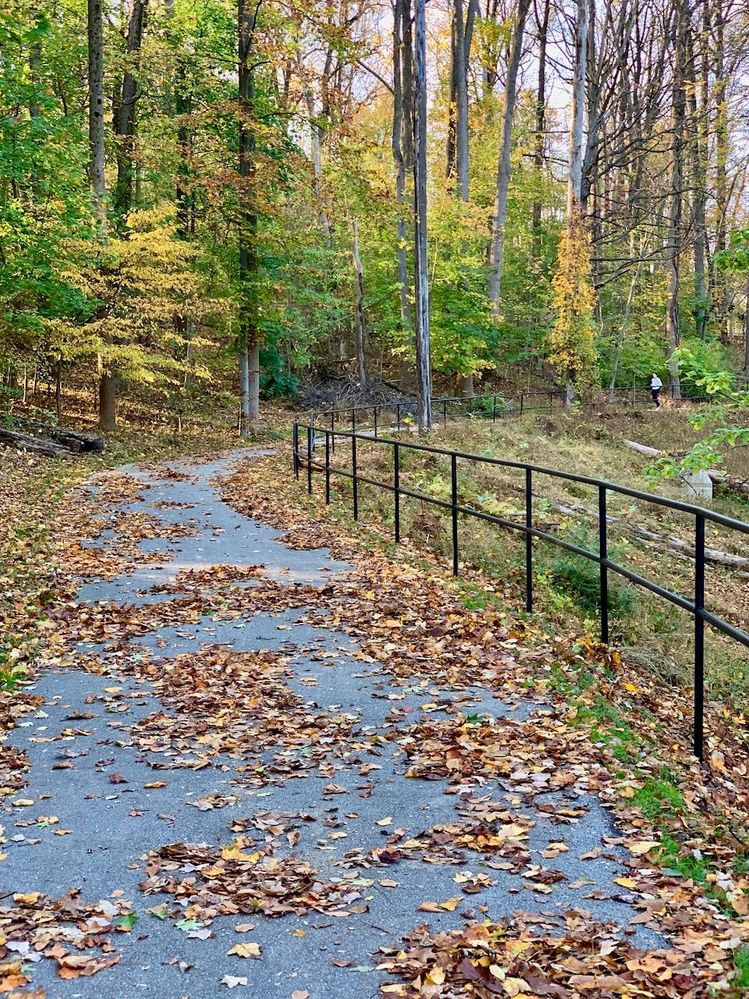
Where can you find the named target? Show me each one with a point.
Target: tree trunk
(674, 248)
(124, 119)
(96, 114)
(359, 327)
(574, 186)
(249, 338)
(107, 400)
(496, 257)
(461, 99)
(540, 136)
(720, 96)
(400, 124)
(423, 360)
(107, 390)
(746, 329)
(699, 188)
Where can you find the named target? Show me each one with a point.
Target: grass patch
(659, 798)
(741, 960)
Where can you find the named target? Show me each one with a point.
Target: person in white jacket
(655, 388)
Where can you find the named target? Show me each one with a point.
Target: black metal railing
(305, 458)
(398, 416)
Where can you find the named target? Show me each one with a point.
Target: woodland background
(195, 196)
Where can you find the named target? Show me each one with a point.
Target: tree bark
(249, 337)
(720, 96)
(107, 387)
(675, 236)
(699, 188)
(359, 321)
(400, 122)
(746, 328)
(461, 99)
(96, 114)
(497, 251)
(540, 136)
(574, 186)
(124, 119)
(107, 399)
(423, 359)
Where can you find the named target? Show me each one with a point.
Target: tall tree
(249, 334)
(572, 339)
(402, 128)
(674, 247)
(107, 378)
(96, 113)
(499, 219)
(423, 350)
(124, 117)
(539, 140)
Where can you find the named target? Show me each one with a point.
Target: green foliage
(723, 419)
(578, 577)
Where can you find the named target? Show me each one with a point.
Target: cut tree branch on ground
(729, 482)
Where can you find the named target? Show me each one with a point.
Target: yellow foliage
(150, 306)
(572, 348)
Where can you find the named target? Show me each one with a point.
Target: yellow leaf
(245, 950)
(451, 904)
(436, 976)
(625, 882)
(645, 846)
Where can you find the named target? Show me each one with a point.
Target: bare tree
(496, 263)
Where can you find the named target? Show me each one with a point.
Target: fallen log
(729, 482)
(73, 440)
(651, 452)
(27, 442)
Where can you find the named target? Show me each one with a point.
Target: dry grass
(648, 630)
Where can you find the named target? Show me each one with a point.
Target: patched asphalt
(112, 825)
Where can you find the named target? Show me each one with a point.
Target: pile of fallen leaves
(77, 935)
(245, 878)
(409, 619)
(222, 704)
(533, 955)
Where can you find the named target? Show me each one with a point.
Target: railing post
(309, 460)
(699, 636)
(528, 540)
(603, 551)
(397, 489)
(522, 402)
(353, 421)
(375, 421)
(332, 430)
(494, 409)
(354, 480)
(454, 500)
(444, 412)
(398, 416)
(295, 446)
(327, 467)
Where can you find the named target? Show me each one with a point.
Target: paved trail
(112, 825)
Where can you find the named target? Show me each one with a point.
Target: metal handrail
(495, 404)
(695, 606)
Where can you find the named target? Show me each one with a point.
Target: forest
(238, 202)
(374, 476)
